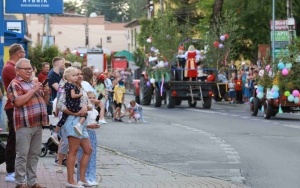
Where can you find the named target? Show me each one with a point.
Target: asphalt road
(224, 142)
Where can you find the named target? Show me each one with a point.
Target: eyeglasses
(26, 69)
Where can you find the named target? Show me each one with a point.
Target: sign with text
(281, 35)
(280, 25)
(34, 6)
(281, 44)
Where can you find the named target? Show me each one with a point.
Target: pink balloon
(285, 71)
(295, 93)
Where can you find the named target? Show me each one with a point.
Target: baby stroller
(50, 145)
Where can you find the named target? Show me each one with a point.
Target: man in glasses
(16, 51)
(30, 114)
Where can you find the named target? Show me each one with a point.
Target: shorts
(117, 105)
(69, 128)
(232, 94)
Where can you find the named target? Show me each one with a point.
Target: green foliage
(139, 57)
(73, 58)
(224, 25)
(38, 55)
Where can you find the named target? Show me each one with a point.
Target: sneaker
(85, 184)
(59, 170)
(93, 183)
(120, 120)
(102, 121)
(54, 138)
(78, 129)
(10, 177)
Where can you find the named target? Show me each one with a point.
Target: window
(108, 39)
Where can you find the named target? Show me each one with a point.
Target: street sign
(280, 52)
(280, 25)
(34, 6)
(280, 36)
(281, 44)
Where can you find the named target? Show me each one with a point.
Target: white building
(69, 32)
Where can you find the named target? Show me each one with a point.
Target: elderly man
(30, 113)
(16, 51)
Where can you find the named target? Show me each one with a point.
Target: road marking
(292, 126)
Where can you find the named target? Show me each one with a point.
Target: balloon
(275, 87)
(222, 37)
(280, 65)
(291, 98)
(221, 45)
(148, 84)
(295, 93)
(285, 71)
(166, 64)
(152, 80)
(251, 99)
(149, 40)
(296, 100)
(288, 65)
(216, 44)
(287, 93)
(261, 73)
(152, 49)
(226, 36)
(260, 95)
(260, 88)
(275, 94)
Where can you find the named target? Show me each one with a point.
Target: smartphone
(45, 82)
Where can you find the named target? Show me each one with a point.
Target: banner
(34, 6)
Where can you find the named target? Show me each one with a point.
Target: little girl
(133, 109)
(247, 93)
(90, 174)
(231, 86)
(73, 95)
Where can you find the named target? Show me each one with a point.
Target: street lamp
(291, 23)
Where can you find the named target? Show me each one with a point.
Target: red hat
(101, 77)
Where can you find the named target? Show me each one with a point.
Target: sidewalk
(117, 171)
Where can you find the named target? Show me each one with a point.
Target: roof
(132, 23)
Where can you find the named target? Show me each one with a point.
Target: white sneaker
(102, 121)
(93, 183)
(85, 184)
(78, 129)
(54, 138)
(10, 177)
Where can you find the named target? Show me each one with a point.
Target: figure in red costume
(191, 63)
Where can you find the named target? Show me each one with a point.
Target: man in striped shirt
(30, 113)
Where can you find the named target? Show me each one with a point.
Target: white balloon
(152, 80)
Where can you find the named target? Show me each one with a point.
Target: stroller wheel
(43, 150)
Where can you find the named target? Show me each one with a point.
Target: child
(239, 89)
(133, 108)
(231, 86)
(73, 95)
(90, 174)
(119, 91)
(247, 92)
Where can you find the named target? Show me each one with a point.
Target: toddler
(133, 108)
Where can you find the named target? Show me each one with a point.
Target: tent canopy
(129, 56)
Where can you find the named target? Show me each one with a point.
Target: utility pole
(290, 19)
(1, 36)
(47, 30)
(86, 24)
(162, 6)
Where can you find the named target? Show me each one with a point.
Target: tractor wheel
(170, 99)
(254, 106)
(145, 92)
(206, 103)
(157, 99)
(267, 110)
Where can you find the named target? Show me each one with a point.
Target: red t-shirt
(42, 76)
(238, 85)
(8, 74)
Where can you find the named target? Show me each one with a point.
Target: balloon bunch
(260, 92)
(284, 68)
(274, 92)
(220, 44)
(293, 97)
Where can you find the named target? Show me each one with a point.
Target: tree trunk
(217, 10)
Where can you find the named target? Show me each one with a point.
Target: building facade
(70, 31)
